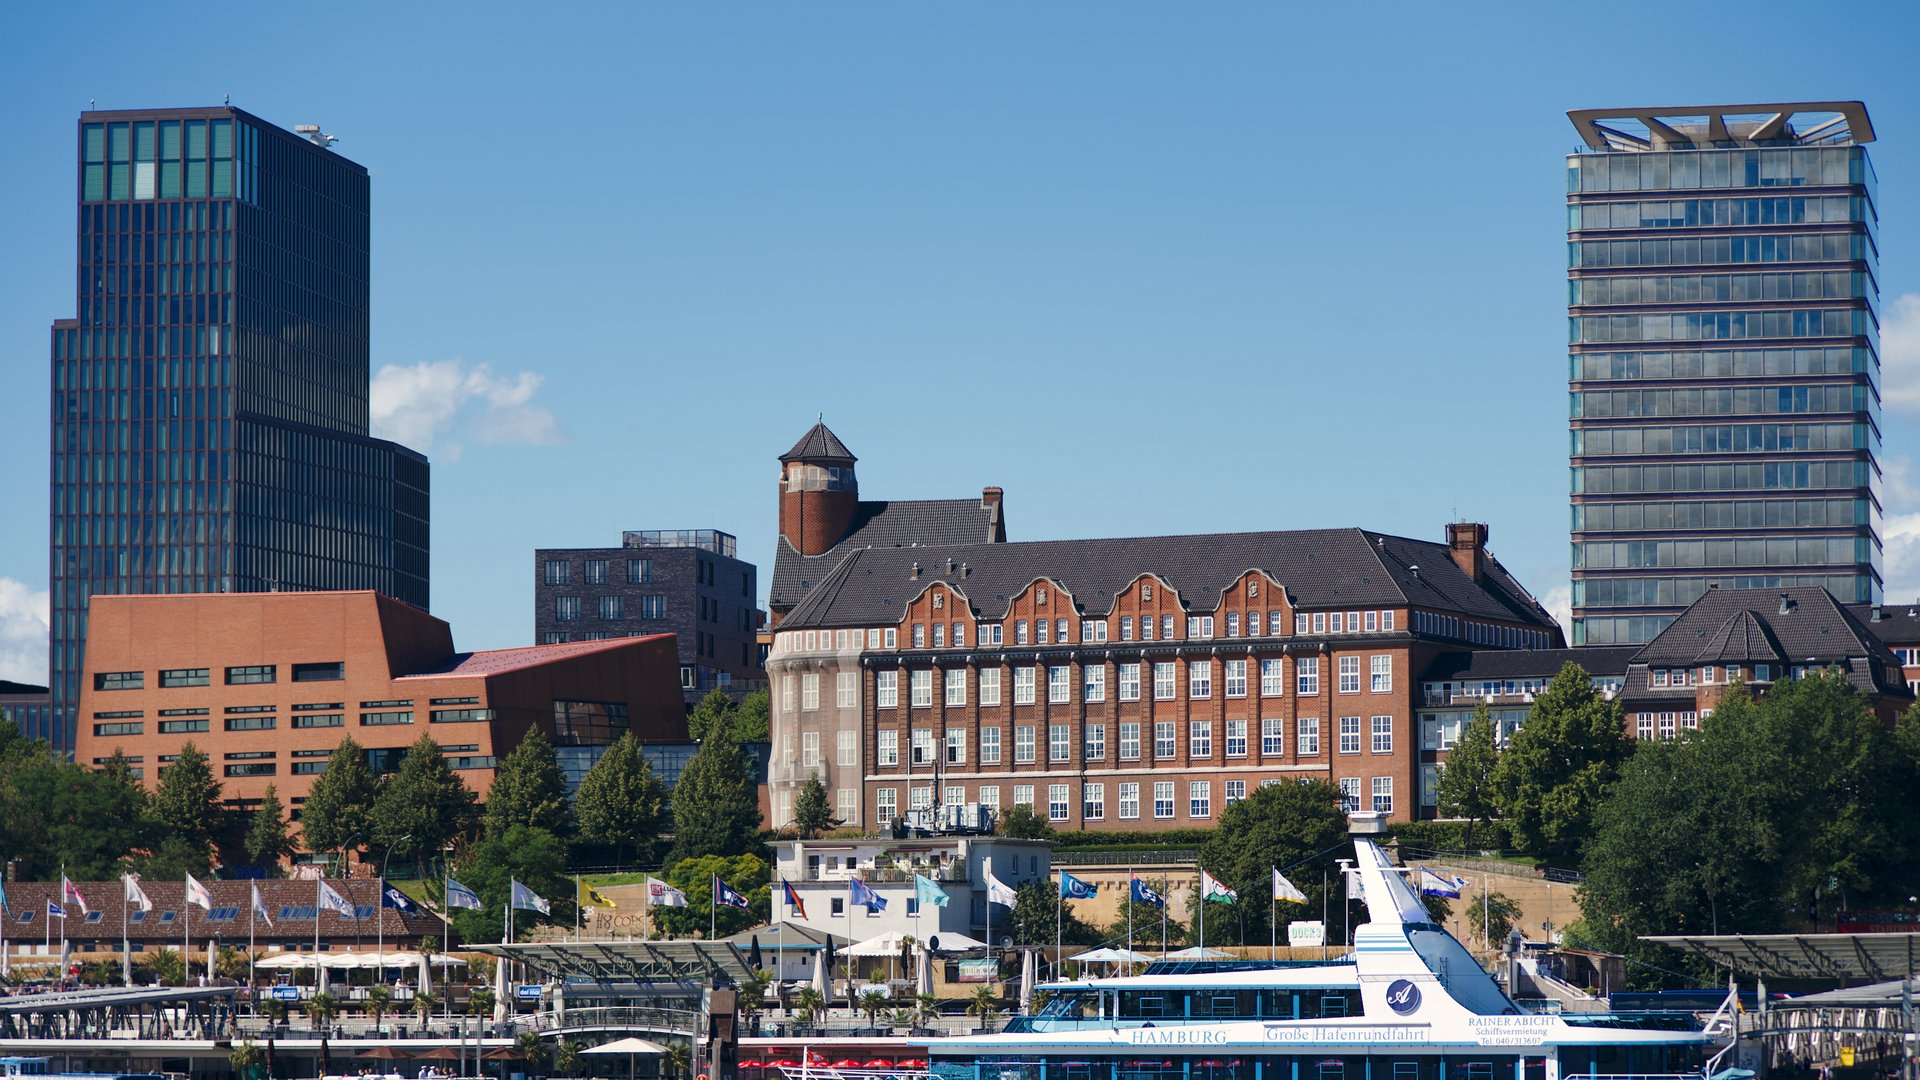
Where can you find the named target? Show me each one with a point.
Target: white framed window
(923, 746)
(956, 746)
(1163, 680)
(1657, 676)
(1126, 628)
(1319, 622)
(1200, 738)
(846, 747)
(846, 689)
(1306, 734)
(959, 635)
(1383, 734)
(809, 749)
(847, 803)
(922, 688)
(1129, 801)
(1023, 744)
(939, 635)
(1023, 795)
(1057, 802)
(1386, 620)
(873, 638)
(954, 795)
(1094, 742)
(1166, 628)
(1129, 741)
(1236, 738)
(919, 638)
(1666, 725)
(886, 689)
(920, 798)
(887, 747)
(1383, 794)
(1059, 684)
(1163, 740)
(990, 797)
(1199, 679)
(1059, 743)
(1129, 682)
(1273, 678)
(786, 692)
(1349, 674)
(1350, 794)
(1643, 725)
(955, 682)
(1273, 735)
(1023, 685)
(1146, 628)
(1382, 674)
(1093, 682)
(1163, 798)
(1253, 624)
(1235, 673)
(1430, 784)
(1235, 791)
(989, 746)
(1302, 623)
(783, 806)
(1373, 621)
(1306, 675)
(886, 804)
(1042, 631)
(1093, 802)
(990, 686)
(1349, 734)
(1020, 631)
(1233, 624)
(1200, 798)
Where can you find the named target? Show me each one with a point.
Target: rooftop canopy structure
(1846, 957)
(1805, 123)
(713, 962)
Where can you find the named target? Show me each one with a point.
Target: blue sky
(1150, 267)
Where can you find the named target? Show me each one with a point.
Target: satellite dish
(1006, 941)
(933, 943)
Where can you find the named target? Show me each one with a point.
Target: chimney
(963, 570)
(1467, 543)
(990, 498)
(915, 575)
(1786, 604)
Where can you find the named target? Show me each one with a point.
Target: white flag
(661, 894)
(135, 896)
(999, 892)
(330, 899)
(198, 894)
(260, 905)
(1284, 890)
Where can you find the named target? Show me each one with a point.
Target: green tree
(1492, 915)
(622, 805)
(165, 967)
(531, 1048)
(339, 806)
(55, 813)
(811, 813)
(808, 1003)
(423, 804)
(713, 712)
(1466, 788)
(1036, 905)
(424, 1002)
(186, 807)
(745, 874)
(489, 866)
(1296, 828)
(1147, 923)
(1023, 822)
(247, 1059)
(716, 804)
(568, 1058)
(750, 720)
(984, 1003)
(379, 1001)
(267, 841)
(1558, 767)
(530, 789)
(873, 1003)
(480, 1001)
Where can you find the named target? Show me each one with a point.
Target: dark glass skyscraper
(210, 396)
(1724, 329)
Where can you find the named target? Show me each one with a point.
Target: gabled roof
(1897, 624)
(1802, 625)
(881, 524)
(820, 445)
(1320, 568)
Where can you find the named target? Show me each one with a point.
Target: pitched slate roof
(1899, 624)
(1742, 639)
(1749, 625)
(821, 445)
(1320, 568)
(881, 524)
(1529, 663)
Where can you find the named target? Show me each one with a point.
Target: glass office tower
(209, 413)
(1724, 329)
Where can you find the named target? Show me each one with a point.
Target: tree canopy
(528, 853)
(1466, 788)
(186, 811)
(716, 804)
(812, 814)
(622, 804)
(1293, 827)
(1023, 822)
(339, 805)
(529, 789)
(745, 874)
(1558, 766)
(54, 812)
(422, 805)
(267, 842)
(1036, 906)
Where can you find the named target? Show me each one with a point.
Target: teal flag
(927, 891)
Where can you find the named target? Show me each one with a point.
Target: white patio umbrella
(923, 973)
(425, 977)
(287, 961)
(1026, 981)
(820, 974)
(630, 1047)
(887, 944)
(213, 956)
(500, 990)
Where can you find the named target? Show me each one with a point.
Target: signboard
(527, 992)
(978, 971)
(1511, 1030)
(286, 993)
(1305, 934)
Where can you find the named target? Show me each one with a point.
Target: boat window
(1330, 1069)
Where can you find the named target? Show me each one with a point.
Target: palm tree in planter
(531, 1048)
(246, 1058)
(567, 1057)
(903, 1021)
(424, 1002)
(678, 1058)
(480, 1002)
(321, 1007)
(984, 1004)
(753, 996)
(276, 1011)
(379, 1002)
(873, 1003)
(923, 1006)
(809, 1001)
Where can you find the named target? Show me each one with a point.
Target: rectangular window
(990, 798)
(1236, 738)
(1349, 734)
(919, 635)
(1306, 672)
(810, 691)
(653, 607)
(1273, 736)
(1383, 734)
(1350, 794)
(959, 635)
(1302, 623)
(119, 680)
(566, 608)
(955, 681)
(1093, 801)
(1307, 734)
(923, 746)
(1273, 678)
(1163, 680)
(1023, 795)
(1057, 802)
(1059, 684)
(846, 689)
(1200, 738)
(1129, 801)
(939, 635)
(612, 607)
(1020, 631)
(332, 671)
(1233, 624)
(1126, 628)
(956, 746)
(183, 677)
(954, 795)
(250, 723)
(596, 571)
(1094, 742)
(1163, 798)
(250, 674)
(1373, 621)
(1059, 742)
(1349, 674)
(1146, 628)
(809, 749)
(1166, 628)
(1200, 799)
(1042, 630)
(319, 720)
(1023, 678)
(886, 690)
(922, 688)
(1236, 678)
(1383, 794)
(122, 728)
(1200, 679)
(1130, 681)
(1093, 682)
(1253, 624)
(1129, 741)
(1023, 744)
(846, 747)
(990, 686)
(1382, 675)
(388, 718)
(886, 804)
(887, 748)
(1386, 620)
(1163, 740)
(180, 727)
(639, 571)
(989, 746)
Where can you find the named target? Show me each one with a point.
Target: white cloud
(23, 633)
(418, 404)
(1900, 354)
(1559, 603)
(1900, 531)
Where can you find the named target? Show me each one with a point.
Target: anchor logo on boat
(1403, 997)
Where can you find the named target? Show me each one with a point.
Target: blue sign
(1403, 997)
(286, 993)
(527, 992)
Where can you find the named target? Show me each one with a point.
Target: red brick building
(267, 684)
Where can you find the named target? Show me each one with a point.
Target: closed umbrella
(426, 975)
(213, 955)
(500, 990)
(1026, 981)
(820, 975)
(753, 954)
(923, 980)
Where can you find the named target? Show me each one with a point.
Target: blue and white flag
(864, 896)
(1144, 893)
(527, 900)
(391, 896)
(459, 896)
(1432, 884)
(1072, 888)
(329, 900)
(928, 891)
(724, 894)
(55, 911)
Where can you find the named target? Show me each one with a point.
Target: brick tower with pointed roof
(818, 491)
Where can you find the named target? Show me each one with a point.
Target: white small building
(822, 872)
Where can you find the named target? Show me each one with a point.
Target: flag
(260, 904)
(1212, 889)
(55, 911)
(590, 897)
(459, 896)
(333, 901)
(527, 900)
(134, 895)
(68, 892)
(1432, 884)
(793, 898)
(3, 897)
(1072, 888)
(1144, 893)
(1284, 890)
(999, 892)
(661, 894)
(198, 894)
(391, 896)
(864, 896)
(724, 895)
(928, 891)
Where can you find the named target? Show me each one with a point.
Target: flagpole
(713, 907)
(1273, 922)
(1059, 917)
(1129, 911)
(1203, 909)
(126, 952)
(253, 912)
(576, 907)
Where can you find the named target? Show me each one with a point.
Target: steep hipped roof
(820, 445)
(1742, 639)
(1530, 663)
(1320, 568)
(1803, 625)
(898, 524)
